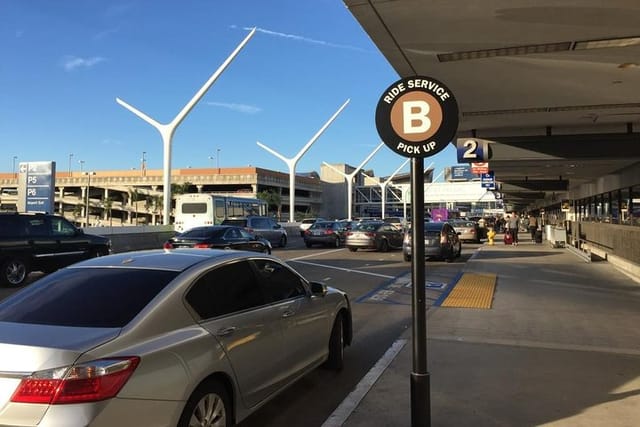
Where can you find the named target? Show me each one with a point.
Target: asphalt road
(379, 287)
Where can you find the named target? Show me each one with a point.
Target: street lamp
(86, 212)
(14, 166)
(143, 166)
(218, 159)
(81, 164)
(70, 157)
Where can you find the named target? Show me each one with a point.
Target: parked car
(42, 242)
(398, 222)
(306, 223)
(377, 235)
(441, 241)
(219, 237)
(166, 338)
(262, 226)
(327, 233)
(468, 230)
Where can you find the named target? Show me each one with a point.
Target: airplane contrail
(306, 39)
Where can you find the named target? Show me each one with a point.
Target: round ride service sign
(417, 116)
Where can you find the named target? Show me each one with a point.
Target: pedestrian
(533, 227)
(514, 225)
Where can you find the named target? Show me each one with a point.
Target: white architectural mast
(406, 191)
(349, 177)
(293, 161)
(168, 129)
(383, 185)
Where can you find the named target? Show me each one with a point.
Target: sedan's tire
(352, 249)
(337, 242)
(336, 346)
(308, 244)
(384, 246)
(14, 272)
(459, 254)
(406, 257)
(208, 406)
(283, 241)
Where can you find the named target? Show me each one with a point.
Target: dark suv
(262, 226)
(42, 242)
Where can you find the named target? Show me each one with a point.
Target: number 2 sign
(472, 150)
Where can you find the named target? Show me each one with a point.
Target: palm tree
(108, 204)
(135, 195)
(153, 204)
(180, 188)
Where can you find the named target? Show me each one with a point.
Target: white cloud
(70, 63)
(305, 39)
(242, 108)
(106, 33)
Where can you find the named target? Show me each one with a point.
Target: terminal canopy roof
(555, 83)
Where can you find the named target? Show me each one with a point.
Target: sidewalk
(559, 347)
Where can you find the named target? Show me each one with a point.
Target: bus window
(194, 208)
(219, 214)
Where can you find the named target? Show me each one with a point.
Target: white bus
(197, 209)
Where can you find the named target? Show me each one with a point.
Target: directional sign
(417, 116)
(479, 168)
(37, 184)
(487, 180)
(473, 150)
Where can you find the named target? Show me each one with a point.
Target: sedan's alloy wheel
(209, 412)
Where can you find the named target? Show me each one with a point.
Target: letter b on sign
(415, 117)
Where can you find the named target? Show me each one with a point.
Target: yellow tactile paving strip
(473, 290)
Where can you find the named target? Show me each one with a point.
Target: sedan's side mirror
(318, 288)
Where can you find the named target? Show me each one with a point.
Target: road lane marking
(316, 254)
(348, 405)
(348, 270)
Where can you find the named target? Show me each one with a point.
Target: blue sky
(65, 62)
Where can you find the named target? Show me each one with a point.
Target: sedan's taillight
(167, 245)
(201, 245)
(87, 382)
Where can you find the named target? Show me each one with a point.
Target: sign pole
(417, 117)
(420, 381)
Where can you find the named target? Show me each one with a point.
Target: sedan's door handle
(226, 331)
(288, 313)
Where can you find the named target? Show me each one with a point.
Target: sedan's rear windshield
(96, 297)
(236, 222)
(203, 232)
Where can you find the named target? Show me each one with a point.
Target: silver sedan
(164, 338)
